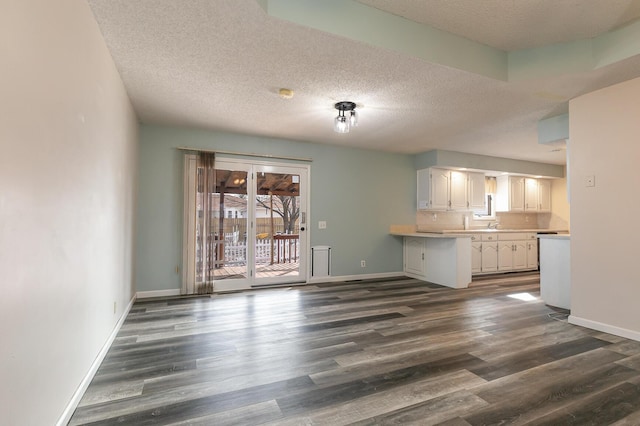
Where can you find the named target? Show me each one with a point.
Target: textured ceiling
(218, 64)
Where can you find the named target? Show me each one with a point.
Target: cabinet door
(414, 255)
(519, 254)
(505, 255)
(532, 254)
(489, 257)
(440, 185)
(530, 195)
(458, 191)
(544, 195)
(476, 257)
(477, 197)
(516, 194)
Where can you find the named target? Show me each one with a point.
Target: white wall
(68, 144)
(605, 143)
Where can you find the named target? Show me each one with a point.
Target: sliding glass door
(258, 225)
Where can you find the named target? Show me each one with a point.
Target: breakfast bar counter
(443, 259)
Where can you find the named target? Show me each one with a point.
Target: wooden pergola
(267, 183)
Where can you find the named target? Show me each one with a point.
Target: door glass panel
(228, 229)
(277, 243)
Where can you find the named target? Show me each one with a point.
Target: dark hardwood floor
(396, 351)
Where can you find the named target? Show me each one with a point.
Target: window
(489, 213)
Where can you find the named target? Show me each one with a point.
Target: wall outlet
(363, 263)
(434, 217)
(322, 224)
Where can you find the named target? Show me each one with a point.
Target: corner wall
(605, 135)
(359, 193)
(68, 140)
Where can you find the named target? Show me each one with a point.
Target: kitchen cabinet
(510, 193)
(414, 256)
(433, 189)
(439, 259)
(532, 253)
(520, 194)
(476, 256)
(515, 252)
(544, 196)
(489, 253)
(458, 192)
(493, 252)
(484, 253)
(442, 189)
(476, 190)
(530, 195)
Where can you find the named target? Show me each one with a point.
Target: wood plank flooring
(375, 352)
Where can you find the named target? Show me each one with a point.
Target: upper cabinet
(544, 195)
(520, 194)
(477, 188)
(442, 189)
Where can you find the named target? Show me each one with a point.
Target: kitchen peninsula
(443, 259)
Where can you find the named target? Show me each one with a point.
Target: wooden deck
(262, 271)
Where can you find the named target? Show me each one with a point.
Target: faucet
(492, 226)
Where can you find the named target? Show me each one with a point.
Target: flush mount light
(343, 123)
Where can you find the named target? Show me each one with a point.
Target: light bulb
(353, 119)
(340, 124)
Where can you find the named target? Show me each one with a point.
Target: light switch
(322, 224)
(590, 181)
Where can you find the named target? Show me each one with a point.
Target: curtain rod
(246, 154)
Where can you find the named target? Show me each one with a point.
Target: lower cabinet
(504, 252)
(532, 254)
(414, 256)
(512, 255)
(489, 256)
(476, 257)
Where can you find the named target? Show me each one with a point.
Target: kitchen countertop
(431, 234)
(484, 230)
(556, 236)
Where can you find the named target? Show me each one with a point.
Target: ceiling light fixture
(343, 123)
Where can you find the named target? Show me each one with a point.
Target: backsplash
(455, 220)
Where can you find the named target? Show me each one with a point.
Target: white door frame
(188, 281)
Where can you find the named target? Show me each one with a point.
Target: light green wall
(442, 158)
(359, 193)
(553, 129)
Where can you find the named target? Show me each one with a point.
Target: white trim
(355, 277)
(607, 328)
(158, 293)
(86, 381)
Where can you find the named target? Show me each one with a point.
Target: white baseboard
(220, 288)
(333, 279)
(84, 384)
(607, 328)
(158, 293)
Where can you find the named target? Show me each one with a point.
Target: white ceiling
(218, 64)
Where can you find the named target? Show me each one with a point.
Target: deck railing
(284, 248)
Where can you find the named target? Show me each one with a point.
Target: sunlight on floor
(523, 296)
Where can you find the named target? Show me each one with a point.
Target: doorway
(259, 225)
